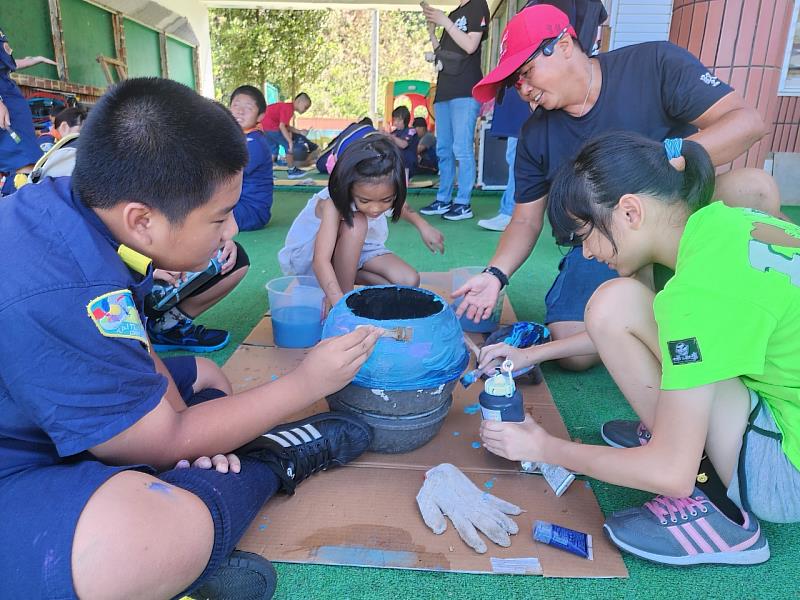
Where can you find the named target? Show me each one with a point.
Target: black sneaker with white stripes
(297, 450)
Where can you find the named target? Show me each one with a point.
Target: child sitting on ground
(339, 236)
(427, 162)
(709, 364)
(253, 210)
(92, 422)
(405, 138)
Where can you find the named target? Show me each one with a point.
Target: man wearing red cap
(656, 89)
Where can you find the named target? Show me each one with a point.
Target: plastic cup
(460, 276)
(296, 302)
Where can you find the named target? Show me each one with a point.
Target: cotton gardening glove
(448, 492)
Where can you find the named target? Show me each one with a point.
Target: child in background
(253, 210)
(19, 148)
(405, 138)
(709, 364)
(426, 149)
(339, 236)
(276, 124)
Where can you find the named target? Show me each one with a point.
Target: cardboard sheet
(365, 514)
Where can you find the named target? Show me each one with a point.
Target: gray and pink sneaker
(687, 531)
(624, 434)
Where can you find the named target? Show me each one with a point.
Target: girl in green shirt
(708, 364)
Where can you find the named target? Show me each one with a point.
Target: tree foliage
(332, 46)
(283, 47)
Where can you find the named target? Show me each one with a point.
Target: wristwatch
(502, 277)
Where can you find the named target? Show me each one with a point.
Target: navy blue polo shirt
(409, 153)
(75, 367)
(655, 89)
(254, 208)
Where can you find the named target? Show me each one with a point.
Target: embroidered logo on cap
(683, 352)
(115, 315)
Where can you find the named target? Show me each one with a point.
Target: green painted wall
(144, 54)
(180, 62)
(27, 25)
(88, 31)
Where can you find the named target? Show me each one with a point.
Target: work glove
(448, 492)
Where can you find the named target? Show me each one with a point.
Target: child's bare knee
(209, 375)
(409, 277)
(612, 302)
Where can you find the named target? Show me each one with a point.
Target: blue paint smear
(489, 484)
(159, 487)
(456, 433)
(472, 408)
(262, 527)
(368, 557)
(476, 445)
(273, 378)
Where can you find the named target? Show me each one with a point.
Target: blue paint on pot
(433, 353)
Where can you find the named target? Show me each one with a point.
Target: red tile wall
(743, 43)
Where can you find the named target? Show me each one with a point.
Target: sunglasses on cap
(514, 80)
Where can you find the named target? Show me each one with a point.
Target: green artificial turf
(584, 399)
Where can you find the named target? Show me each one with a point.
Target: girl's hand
(35, 60)
(173, 278)
(494, 355)
(514, 441)
(223, 463)
(432, 238)
(5, 118)
(228, 257)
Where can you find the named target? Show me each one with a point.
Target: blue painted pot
(434, 353)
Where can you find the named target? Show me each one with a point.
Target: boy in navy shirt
(253, 210)
(92, 422)
(405, 138)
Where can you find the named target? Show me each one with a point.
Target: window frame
(790, 86)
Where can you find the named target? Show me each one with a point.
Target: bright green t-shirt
(733, 310)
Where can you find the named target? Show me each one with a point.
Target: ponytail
(586, 190)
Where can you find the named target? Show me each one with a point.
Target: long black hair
(370, 159)
(586, 191)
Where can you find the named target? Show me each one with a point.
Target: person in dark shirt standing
(458, 58)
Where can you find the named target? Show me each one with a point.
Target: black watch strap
(501, 277)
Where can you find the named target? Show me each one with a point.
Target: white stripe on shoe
(301, 434)
(278, 439)
(312, 430)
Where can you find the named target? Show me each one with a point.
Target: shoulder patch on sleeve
(683, 352)
(115, 315)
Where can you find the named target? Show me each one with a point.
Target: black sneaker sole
(228, 582)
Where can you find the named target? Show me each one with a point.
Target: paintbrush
(401, 334)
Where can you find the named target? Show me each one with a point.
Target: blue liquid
(297, 326)
(482, 326)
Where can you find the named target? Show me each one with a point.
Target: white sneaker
(497, 223)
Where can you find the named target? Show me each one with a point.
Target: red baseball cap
(524, 33)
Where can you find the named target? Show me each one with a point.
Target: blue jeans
(275, 140)
(455, 135)
(507, 201)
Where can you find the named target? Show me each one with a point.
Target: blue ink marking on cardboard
(363, 556)
(273, 378)
(456, 433)
(476, 445)
(262, 527)
(489, 484)
(472, 408)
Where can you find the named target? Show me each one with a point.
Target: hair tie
(673, 147)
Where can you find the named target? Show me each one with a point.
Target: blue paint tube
(574, 542)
